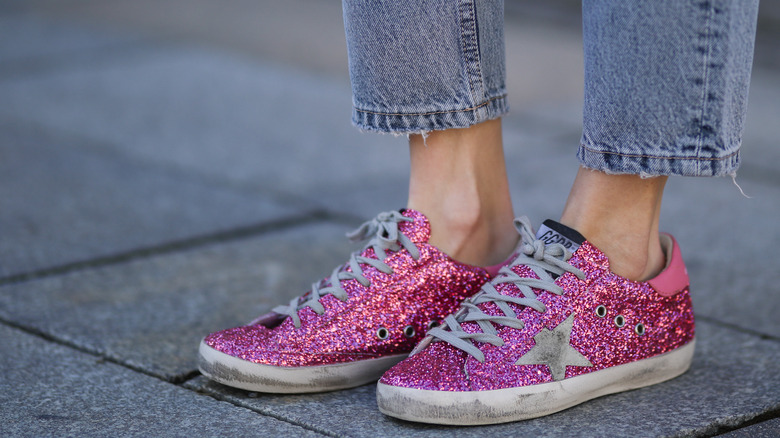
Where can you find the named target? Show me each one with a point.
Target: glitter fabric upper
(598, 322)
(388, 317)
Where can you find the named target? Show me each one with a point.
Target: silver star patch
(554, 350)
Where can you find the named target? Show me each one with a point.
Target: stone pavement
(169, 168)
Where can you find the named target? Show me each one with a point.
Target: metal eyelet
(382, 333)
(620, 321)
(433, 324)
(409, 331)
(640, 329)
(601, 311)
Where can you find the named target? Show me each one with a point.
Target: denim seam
(661, 157)
(486, 103)
(705, 85)
(470, 47)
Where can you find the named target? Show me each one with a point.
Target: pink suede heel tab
(674, 277)
(493, 270)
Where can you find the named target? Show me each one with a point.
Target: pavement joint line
(100, 356)
(735, 327)
(186, 377)
(218, 396)
(769, 415)
(305, 218)
(716, 429)
(177, 381)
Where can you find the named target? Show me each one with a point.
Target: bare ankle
(619, 214)
(458, 180)
(629, 261)
(471, 236)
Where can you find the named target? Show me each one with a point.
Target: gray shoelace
(543, 259)
(385, 236)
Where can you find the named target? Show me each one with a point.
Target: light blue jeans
(666, 81)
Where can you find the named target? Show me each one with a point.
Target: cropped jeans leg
(424, 65)
(666, 82)
(666, 85)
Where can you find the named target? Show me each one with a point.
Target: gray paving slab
(51, 390)
(726, 240)
(64, 199)
(223, 117)
(150, 314)
(733, 379)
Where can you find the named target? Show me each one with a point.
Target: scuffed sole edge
(523, 403)
(239, 373)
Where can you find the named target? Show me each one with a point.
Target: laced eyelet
(601, 311)
(620, 321)
(433, 324)
(382, 333)
(409, 331)
(640, 329)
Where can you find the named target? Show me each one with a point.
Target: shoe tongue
(419, 230)
(555, 232)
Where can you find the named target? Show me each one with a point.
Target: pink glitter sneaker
(552, 330)
(351, 327)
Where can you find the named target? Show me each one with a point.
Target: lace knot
(384, 236)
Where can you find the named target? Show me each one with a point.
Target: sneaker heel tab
(674, 277)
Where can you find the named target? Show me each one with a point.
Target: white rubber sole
(513, 404)
(251, 376)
